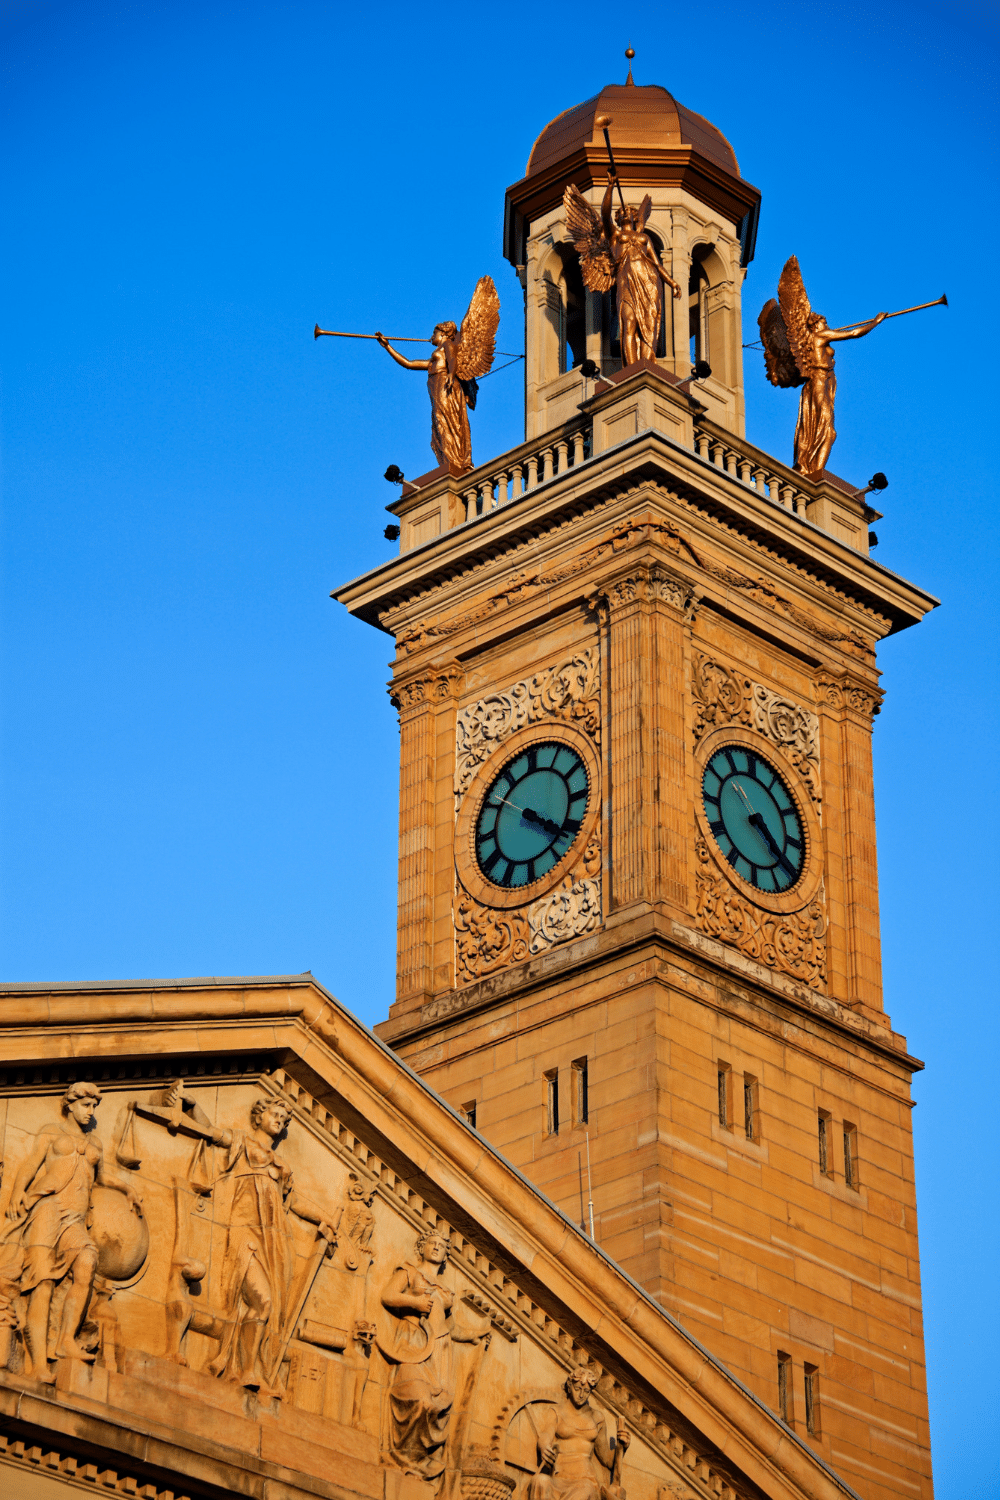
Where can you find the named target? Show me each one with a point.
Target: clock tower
(638, 903)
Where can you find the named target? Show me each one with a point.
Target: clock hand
(756, 821)
(533, 817)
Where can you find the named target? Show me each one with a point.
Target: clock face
(754, 818)
(531, 814)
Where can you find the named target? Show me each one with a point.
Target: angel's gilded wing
(474, 352)
(778, 358)
(645, 209)
(587, 234)
(795, 310)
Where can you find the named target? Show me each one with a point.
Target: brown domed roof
(644, 117)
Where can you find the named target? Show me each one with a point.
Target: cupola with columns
(703, 225)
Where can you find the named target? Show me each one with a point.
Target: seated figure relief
(59, 1236)
(420, 1347)
(577, 1460)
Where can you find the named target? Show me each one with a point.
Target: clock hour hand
(533, 817)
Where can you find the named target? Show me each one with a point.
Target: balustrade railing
(526, 468)
(750, 466)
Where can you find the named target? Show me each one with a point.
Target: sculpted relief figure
(47, 1245)
(420, 1346)
(262, 1302)
(576, 1458)
(619, 253)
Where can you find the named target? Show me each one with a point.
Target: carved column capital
(421, 689)
(843, 691)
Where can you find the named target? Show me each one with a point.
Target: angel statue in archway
(797, 352)
(461, 356)
(619, 253)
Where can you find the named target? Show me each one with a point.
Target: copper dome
(644, 118)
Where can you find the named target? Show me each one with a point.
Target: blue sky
(199, 759)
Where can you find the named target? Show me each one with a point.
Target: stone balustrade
(526, 467)
(746, 463)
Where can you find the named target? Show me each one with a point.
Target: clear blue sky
(199, 760)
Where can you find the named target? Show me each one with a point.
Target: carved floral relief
(568, 692)
(722, 697)
(792, 943)
(487, 940)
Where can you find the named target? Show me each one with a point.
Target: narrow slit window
(581, 1092)
(850, 1155)
(823, 1127)
(812, 1400)
(750, 1106)
(724, 1095)
(469, 1111)
(785, 1387)
(552, 1101)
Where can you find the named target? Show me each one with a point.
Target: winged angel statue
(619, 253)
(797, 352)
(460, 356)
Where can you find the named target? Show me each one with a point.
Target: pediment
(331, 1284)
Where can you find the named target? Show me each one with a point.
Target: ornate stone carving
(572, 909)
(437, 685)
(263, 1298)
(487, 939)
(792, 943)
(630, 533)
(835, 693)
(761, 592)
(573, 1444)
(570, 691)
(71, 1219)
(419, 1344)
(357, 1224)
(722, 697)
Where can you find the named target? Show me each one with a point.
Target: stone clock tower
(638, 901)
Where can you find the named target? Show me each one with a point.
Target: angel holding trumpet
(797, 351)
(461, 355)
(618, 253)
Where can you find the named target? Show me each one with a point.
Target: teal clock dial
(531, 814)
(753, 818)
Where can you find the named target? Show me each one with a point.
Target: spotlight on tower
(701, 371)
(394, 474)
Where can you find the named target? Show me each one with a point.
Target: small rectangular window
(581, 1099)
(552, 1101)
(750, 1106)
(850, 1155)
(785, 1387)
(825, 1161)
(812, 1400)
(724, 1113)
(469, 1111)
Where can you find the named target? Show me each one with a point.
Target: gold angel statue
(460, 356)
(619, 253)
(797, 352)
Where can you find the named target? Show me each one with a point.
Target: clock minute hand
(756, 821)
